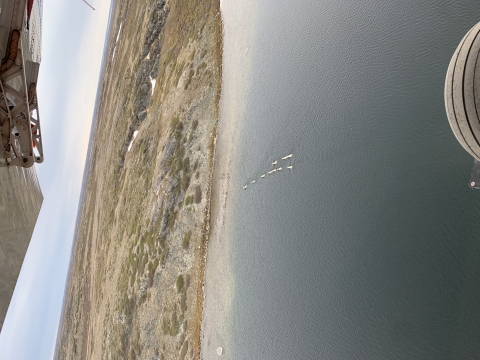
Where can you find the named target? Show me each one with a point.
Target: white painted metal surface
(20, 132)
(462, 92)
(20, 202)
(20, 139)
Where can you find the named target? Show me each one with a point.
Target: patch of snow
(135, 133)
(119, 31)
(153, 81)
(113, 55)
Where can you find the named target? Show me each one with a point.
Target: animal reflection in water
(274, 170)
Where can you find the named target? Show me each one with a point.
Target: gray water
(369, 248)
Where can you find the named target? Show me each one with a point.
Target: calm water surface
(369, 248)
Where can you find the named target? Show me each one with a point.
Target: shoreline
(238, 22)
(216, 266)
(207, 226)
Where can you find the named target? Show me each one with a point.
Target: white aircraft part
(35, 31)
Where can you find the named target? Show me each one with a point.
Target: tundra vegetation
(135, 282)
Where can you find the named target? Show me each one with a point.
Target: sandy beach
(238, 24)
(218, 289)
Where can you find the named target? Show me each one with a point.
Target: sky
(72, 45)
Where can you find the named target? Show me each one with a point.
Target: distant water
(369, 248)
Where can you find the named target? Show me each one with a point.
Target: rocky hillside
(136, 277)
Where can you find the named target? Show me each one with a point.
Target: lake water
(369, 247)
